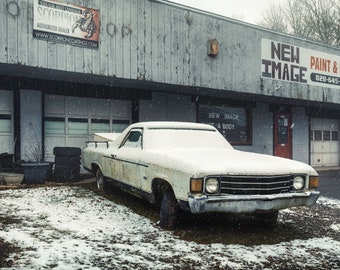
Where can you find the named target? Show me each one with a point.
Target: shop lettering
(285, 52)
(284, 64)
(228, 126)
(228, 116)
(214, 115)
(47, 26)
(60, 7)
(64, 39)
(57, 15)
(221, 126)
(320, 64)
(231, 116)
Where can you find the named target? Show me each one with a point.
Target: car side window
(134, 139)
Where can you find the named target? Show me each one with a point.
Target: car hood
(227, 162)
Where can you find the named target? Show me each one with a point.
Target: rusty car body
(192, 167)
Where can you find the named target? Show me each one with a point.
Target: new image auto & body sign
(287, 62)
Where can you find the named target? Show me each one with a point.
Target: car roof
(172, 125)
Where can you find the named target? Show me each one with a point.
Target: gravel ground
(77, 227)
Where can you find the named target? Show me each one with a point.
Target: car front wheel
(169, 210)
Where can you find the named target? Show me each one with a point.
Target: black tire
(102, 183)
(169, 211)
(68, 161)
(67, 151)
(66, 173)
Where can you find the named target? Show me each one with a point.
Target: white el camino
(192, 167)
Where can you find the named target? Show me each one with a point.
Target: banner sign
(66, 23)
(232, 122)
(286, 62)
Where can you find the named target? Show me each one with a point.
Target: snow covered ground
(73, 228)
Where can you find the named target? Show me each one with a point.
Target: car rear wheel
(169, 210)
(101, 181)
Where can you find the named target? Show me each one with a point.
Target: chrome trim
(250, 203)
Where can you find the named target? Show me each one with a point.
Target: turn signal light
(313, 182)
(196, 185)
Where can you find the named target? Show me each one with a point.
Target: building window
(119, 125)
(54, 125)
(317, 135)
(78, 126)
(234, 123)
(335, 135)
(5, 123)
(326, 135)
(100, 125)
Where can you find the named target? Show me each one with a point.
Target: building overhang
(15, 76)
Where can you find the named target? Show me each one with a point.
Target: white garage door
(325, 150)
(71, 121)
(6, 122)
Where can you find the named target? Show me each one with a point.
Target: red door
(282, 135)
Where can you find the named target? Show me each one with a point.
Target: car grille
(256, 185)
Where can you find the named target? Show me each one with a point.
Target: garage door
(71, 121)
(6, 122)
(325, 142)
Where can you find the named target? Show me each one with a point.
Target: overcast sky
(245, 10)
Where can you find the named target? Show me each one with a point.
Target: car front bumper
(250, 203)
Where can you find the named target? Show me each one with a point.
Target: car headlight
(212, 185)
(298, 182)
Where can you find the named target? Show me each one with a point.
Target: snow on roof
(173, 125)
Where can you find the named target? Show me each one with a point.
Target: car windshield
(184, 138)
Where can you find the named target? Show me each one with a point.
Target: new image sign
(66, 23)
(232, 122)
(286, 62)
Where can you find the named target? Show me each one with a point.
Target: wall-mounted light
(213, 47)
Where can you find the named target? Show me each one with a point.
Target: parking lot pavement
(329, 185)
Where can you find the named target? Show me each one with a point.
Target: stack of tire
(66, 164)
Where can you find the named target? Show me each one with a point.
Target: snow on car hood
(203, 161)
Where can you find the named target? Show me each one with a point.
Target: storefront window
(5, 123)
(233, 122)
